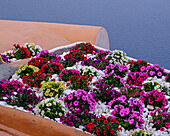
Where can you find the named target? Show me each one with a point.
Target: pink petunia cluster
(79, 101)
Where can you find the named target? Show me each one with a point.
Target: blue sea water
(141, 28)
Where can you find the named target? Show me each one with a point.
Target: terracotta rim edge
(35, 125)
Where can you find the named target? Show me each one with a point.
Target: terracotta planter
(15, 122)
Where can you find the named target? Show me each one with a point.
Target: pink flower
(158, 121)
(70, 96)
(159, 74)
(167, 124)
(151, 73)
(163, 118)
(151, 113)
(127, 111)
(162, 129)
(135, 102)
(133, 77)
(131, 121)
(83, 97)
(136, 93)
(76, 103)
(142, 68)
(123, 98)
(122, 114)
(150, 101)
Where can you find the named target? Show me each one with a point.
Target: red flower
(111, 131)
(50, 70)
(105, 121)
(162, 129)
(104, 132)
(90, 78)
(78, 81)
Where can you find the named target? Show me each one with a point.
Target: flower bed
(98, 91)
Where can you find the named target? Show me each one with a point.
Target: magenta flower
(76, 103)
(167, 124)
(70, 96)
(122, 113)
(131, 121)
(135, 102)
(159, 74)
(150, 101)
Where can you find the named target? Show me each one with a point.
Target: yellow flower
(23, 68)
(51, 94)
(56, 90)
(19, 71)
(27, 74)
(46, 93)
(56, 96)
(48, 90)
(20, 66)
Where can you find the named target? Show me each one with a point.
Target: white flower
(48, 104)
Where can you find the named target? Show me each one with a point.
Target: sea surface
(141, 28)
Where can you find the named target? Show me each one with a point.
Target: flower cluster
(99, 64)
(52, 89)
(15, 93)
(156, 70)
(38, 62)
(101, 54)
(152, 84)
(36, 78)
(131, 91)
(26, 70)
(117, 56)
(75, 80)
(154, 98)
(128, 112)
(26, 51)
(79, 100)
(137, 66)
(77, 119)
(102, 126)
(49, 56)
(78, 53)
(53, 68)
(51, 108)
(114, 80)
(4, 58)
(136, 78)
(87, 48)
(161, 119)
(119, 70)
(104, 93)
(141, 132)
